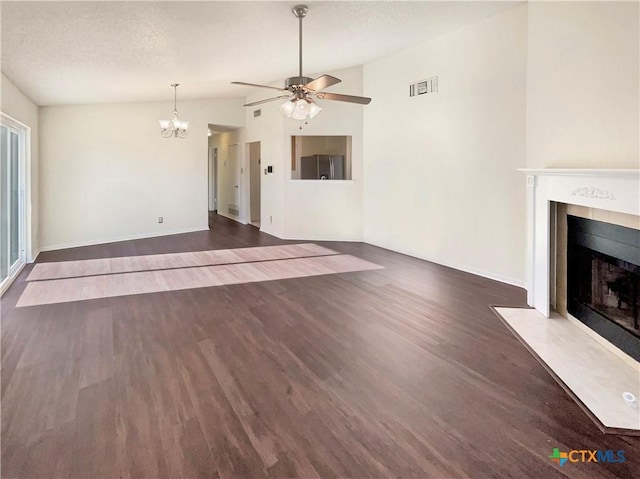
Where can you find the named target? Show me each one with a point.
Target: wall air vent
(257, 113)
(430, 85)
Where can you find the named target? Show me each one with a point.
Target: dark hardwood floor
(399, 372)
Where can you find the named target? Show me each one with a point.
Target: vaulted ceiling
(94, 51)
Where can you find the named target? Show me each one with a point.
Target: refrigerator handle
(331, 171)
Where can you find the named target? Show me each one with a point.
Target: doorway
(12, 200)
(254, 183)
(225, 173)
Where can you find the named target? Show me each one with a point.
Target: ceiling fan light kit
(300, 105)
(175, 127)
(300, 109)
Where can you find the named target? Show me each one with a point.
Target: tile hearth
(592, 372)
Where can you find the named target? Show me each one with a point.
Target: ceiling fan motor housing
(297, 81)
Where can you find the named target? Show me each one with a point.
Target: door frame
(213, 179)
(238, 177)
(25, 246)
(251, 179)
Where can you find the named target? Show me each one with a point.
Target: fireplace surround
(598, 375)
(614, 190)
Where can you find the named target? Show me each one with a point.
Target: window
(321, 157)
(12, 207)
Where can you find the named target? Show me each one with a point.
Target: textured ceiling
(94, 51)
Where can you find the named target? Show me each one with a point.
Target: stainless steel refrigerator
(322, 167)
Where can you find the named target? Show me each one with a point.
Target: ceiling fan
(302, 90)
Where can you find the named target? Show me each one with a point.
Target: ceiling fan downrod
(300, 11)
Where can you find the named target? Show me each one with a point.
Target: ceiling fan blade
(322, 82)
(267, 100)
(259, 86)
(348, 98)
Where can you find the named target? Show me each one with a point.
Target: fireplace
(613, 191)
(603, 280)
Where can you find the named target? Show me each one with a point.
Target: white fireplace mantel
(611, 190)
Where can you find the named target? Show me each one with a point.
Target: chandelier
(175, 127)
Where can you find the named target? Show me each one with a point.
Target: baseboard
(122, 238)
(315, 238)
(478, 272)
(34, 257)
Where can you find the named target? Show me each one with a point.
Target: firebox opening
(603, 280)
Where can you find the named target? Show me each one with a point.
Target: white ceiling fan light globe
(314, 109)
(287, 108)
(301, 110)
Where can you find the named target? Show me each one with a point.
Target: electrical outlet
(160, 219)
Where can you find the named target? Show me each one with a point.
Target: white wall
(268, 130)
(440, 179)
(308, 209)
(583, 85)
(18, 106)
(312, 210)
(328, 210)
(107, 174)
